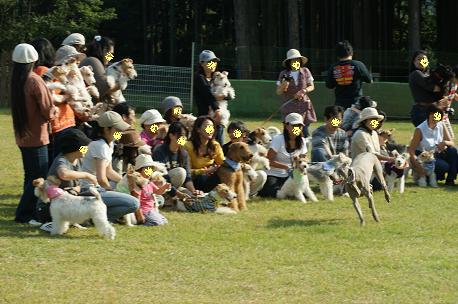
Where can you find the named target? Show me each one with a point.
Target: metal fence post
(191, 97)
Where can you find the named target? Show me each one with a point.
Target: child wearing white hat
(154, 128)
(148, 204)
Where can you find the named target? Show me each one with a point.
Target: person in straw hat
(294, 84)
(365, 138)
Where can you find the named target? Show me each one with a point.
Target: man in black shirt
(346, 76)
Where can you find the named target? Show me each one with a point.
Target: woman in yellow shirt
(205, 153)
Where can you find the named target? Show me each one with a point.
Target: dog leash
(276, 111)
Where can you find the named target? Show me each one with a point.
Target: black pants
(272, 185)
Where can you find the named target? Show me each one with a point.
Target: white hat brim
(378, 117)
(303, 59)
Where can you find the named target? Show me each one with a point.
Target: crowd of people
(56, 140)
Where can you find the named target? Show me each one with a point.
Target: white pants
(258, 183)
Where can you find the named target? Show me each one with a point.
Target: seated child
(154, 128)
(148, 203)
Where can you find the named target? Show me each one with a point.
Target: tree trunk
(242, 39)
(293, 22)
(414, 25)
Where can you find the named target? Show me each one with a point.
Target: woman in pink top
(32, 109)
(154, 128)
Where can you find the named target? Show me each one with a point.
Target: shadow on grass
(9, 228)
(13, 197)
(283, 223)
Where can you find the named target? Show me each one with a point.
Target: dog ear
(350, 176)
(225, 73)
(127, 60)
(38, 182)
(395, 153)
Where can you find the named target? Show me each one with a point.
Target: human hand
(211, 170)
(92, 178)
(441, 146)
(197, 192)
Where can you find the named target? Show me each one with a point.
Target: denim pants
(319, 155)
(219, 136)
(35, 163)
(447, 162)
(118, 204)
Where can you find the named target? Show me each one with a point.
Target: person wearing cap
(127, 149)
(148, 204)
(329, 140)
(172, 109)
(294, 84)
(66, 52)
(76, 40)
(97, 161)
(154, 128)
(66, 167)
(365, 139)
(46, 55)
(432, 135)
(97, 58)
(352, 114)
(205, 99)
(31, 108)
(176, 159)
(347, 76)
(205, 153)
(283, 149)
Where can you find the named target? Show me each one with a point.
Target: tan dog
(120, 73)
(231, 174)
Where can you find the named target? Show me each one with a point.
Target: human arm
(364, 73)
(101, 173)
(272, 155)
(411, 150)
(69, 175)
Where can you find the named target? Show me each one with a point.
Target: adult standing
(294, 84)
(76, 40)
(347, 76)
(32, 109)
(98, 58)
(423, 89)
(205, 99)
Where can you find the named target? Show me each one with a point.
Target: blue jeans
(447, 162)
(55, 145)
(118, 204)
(319, 155)
(219, 136)
(35, 163)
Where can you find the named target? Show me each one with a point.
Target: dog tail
(95, 193)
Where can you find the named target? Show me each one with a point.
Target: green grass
(276, 252)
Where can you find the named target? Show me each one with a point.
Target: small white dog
(89, 80)
(68, 209)
(297, 184)
(428, 162)
(324, 172)
(222, 86)
(395, 173)
(120, 73)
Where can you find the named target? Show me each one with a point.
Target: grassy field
(276, 252)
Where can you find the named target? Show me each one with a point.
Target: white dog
(222, 86)
(89, 80)
(428, 162)
(324, 172)
(120, 73)
(297, 184)
(68, 209)
(395, 173)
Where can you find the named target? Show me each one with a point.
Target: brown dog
(231, 174)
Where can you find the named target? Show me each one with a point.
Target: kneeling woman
(432, 135)
(283, 149)
(205, 153)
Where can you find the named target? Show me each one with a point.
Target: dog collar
(54, 191)
(232, 164)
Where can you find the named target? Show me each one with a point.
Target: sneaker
(46, 227)
(34, 223)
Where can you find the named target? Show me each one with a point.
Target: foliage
(21, 21)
